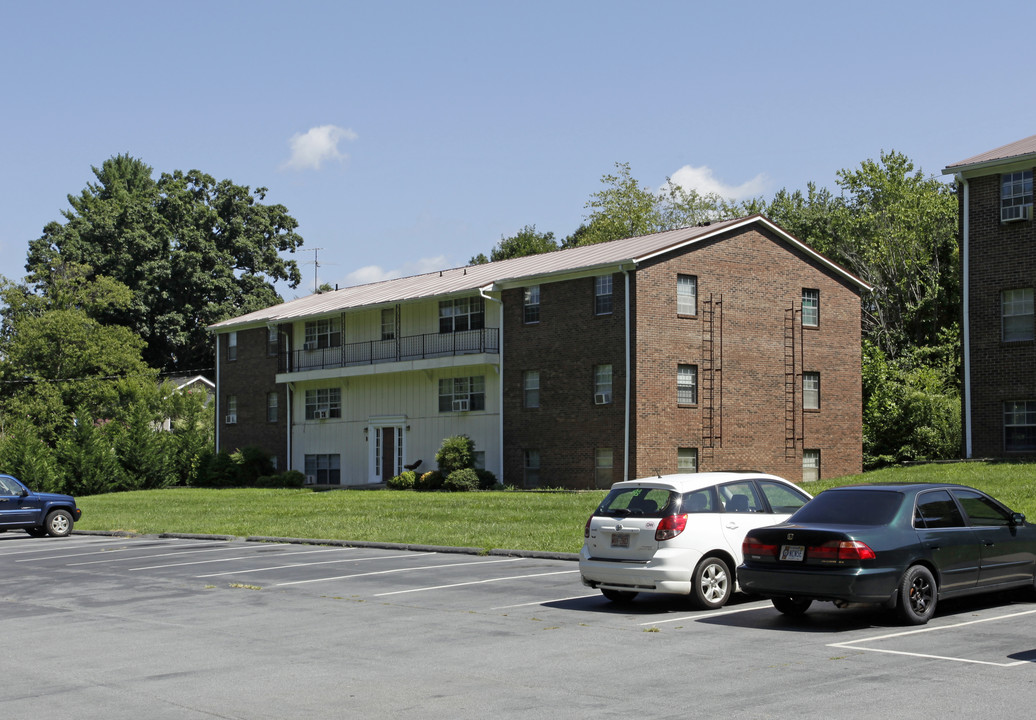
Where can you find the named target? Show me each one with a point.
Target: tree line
(117, 296)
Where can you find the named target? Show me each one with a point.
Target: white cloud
(313, 147)
(376, 273)
(704, 182)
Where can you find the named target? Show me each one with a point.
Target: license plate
(620, 540)
(793, 552)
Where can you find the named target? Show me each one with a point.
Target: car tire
(36, 531)
(619, 596)
(711, 584)
(59, 523)
(791, 605)
(918, 594)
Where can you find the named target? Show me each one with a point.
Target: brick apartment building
(726, 346)
(998, 262)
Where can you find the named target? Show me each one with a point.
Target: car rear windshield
(640, 501)
(850, 507)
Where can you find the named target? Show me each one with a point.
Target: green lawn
(550, 521)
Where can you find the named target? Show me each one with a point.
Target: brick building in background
(998, 262)
(725, 346)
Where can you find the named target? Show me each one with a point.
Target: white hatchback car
(680, 533)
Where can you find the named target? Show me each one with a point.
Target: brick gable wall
(250, 377)
(1002, 256)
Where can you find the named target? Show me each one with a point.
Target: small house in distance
(727, 346)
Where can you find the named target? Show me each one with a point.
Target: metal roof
(503, 273)
(1016, 150)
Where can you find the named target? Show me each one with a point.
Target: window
(687, 384)
(1020, 426)
(232, 346)
(810, 391)
(603, 461)
(532, 468)
(532, 304)
(687, 460)
(1016, 195)
(461, 314)
(324, 469)
(1016, 315)
(323, 334)
(810, 307)
(936, 509)
(603, 294)
(531, 388)
(810, 465)
(782, 499)
(602, 384)
(981, 510)
(740, 497)
(271, 407)
(388, 324)
(231, 409)
(686, 295)
(462, 394)
(323, 403)
(271, 340)
(479, 458)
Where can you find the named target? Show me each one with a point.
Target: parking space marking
(181, 551)
(196, 562)
(396, 570)
(51, 549)
(853, 644)
(308, 564)
(545, 602)
(472, 582)
(709, 616)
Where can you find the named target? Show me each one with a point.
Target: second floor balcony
(411, 347)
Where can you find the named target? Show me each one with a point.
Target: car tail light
(754, 546)
(586, 530)
(844, 550)
(671, 526)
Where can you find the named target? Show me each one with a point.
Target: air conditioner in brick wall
(1015, 213)
(231, 419)
(461, 405)
(602, 398)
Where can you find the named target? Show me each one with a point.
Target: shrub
(455, 453)
(404, 481)
(486, 479)
(219, 471)
(290, 479)
(431, 480)
(463, 480)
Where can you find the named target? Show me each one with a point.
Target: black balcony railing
(413, 347)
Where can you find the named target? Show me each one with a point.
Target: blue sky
(409, 136)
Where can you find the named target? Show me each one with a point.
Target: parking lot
(179, 627)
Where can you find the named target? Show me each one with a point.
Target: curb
(411, 547)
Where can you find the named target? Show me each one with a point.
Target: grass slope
(551, 521)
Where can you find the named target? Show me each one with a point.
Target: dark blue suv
(36, 513)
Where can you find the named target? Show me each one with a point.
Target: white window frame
(323, 333)
(461, 314)
(687, 384)
(810, 391)
(604, 467)
(324, 468)
(531, 468)
(231, 418)
(603, 292)
(470, 388)
(531, 389)
(810, 465)
(810, 307)
(388, 324)
(686, 295)
(272, 403)
(603, 380)
(323, 403)
(1016, 315)
(232, 345)
(687, 460)
(1016, 196)
(531, 305)
(1020, 414)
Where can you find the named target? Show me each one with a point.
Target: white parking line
(685, 618)
(397, 570)
(208, 548)
(472, 582)
(545, 602)
(308, 564)
(79, 546)
(853, 644)
(193, 562)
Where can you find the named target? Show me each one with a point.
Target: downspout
(966, 285)
(289, 392)
(500, 398)
(219, 387)
(626, 428)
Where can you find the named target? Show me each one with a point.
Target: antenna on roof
(316, 264)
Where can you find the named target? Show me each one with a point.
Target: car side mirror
(1017, 518)
(24, 493)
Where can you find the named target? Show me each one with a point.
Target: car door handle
(732, 525)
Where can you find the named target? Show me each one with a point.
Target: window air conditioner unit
(311, 479)
(1015, 213)
(231, 419)
(321, 414)
(460, 405)
(311, 345)
(602, 398)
